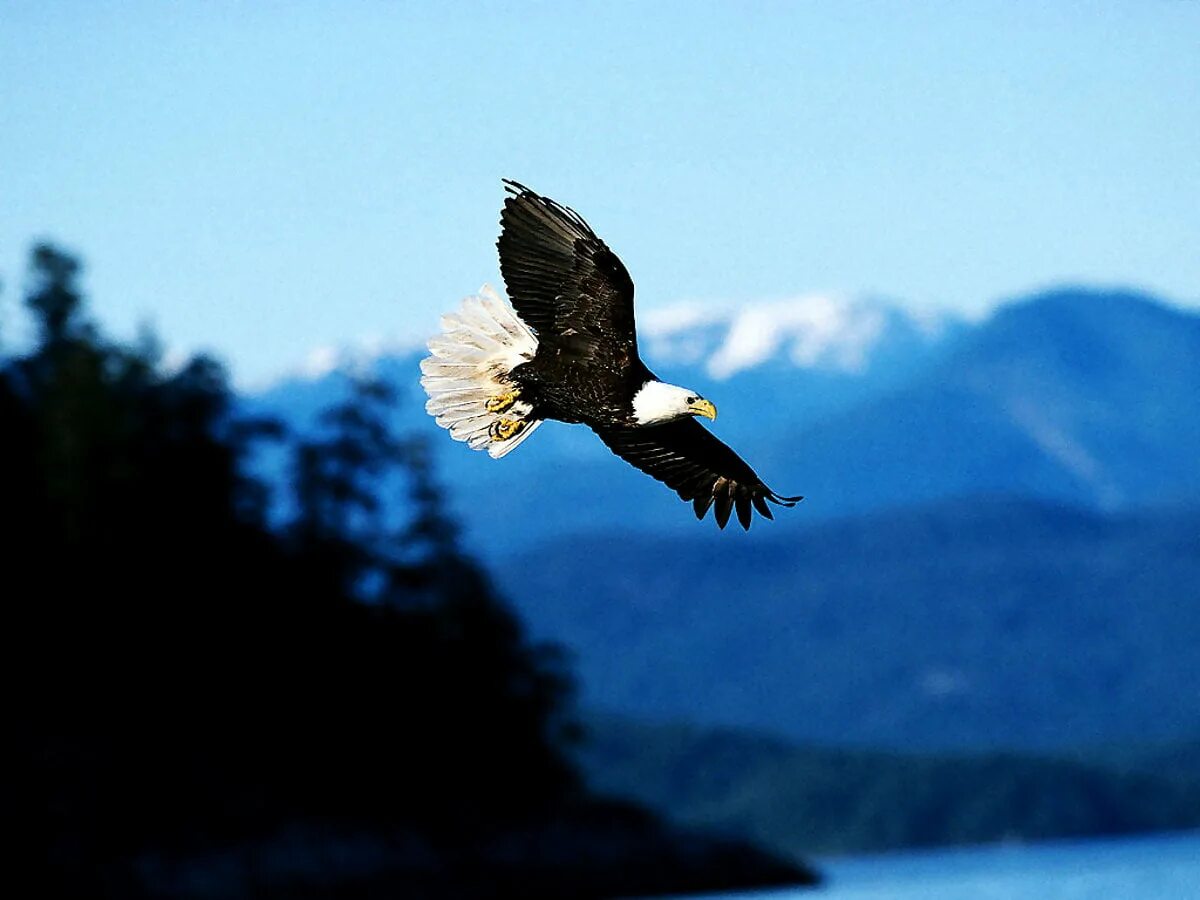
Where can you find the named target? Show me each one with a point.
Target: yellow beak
(703, 408)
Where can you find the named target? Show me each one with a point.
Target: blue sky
(260, 179)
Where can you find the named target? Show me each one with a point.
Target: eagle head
(657, 402)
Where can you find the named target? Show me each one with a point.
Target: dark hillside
(968, 624)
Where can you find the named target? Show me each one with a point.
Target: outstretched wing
(686, 457)
(564, 281)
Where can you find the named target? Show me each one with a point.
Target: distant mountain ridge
(826, 332)
(817, 332)
(976, 623)
(999, 544)
(1076, 395)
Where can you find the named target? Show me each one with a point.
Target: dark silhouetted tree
(184, 676)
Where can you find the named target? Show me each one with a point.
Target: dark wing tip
(745, 512)
(780, 500)
(555, 210)
(701, 470)
(723, 493)
(726, 498)
(760, 503)
(515, 187)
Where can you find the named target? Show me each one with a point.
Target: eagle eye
(691, 399)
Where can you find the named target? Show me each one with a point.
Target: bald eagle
(569, 352)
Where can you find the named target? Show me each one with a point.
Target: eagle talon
(503, 429)
(503, 402)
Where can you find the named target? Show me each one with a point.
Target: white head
(657, 402)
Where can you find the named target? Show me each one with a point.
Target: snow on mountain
(1079, 396)
(825, 332)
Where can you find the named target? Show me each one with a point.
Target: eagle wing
(564, 281)
(686, 457)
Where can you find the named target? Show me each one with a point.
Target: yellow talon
(503, 402)
(503, 429)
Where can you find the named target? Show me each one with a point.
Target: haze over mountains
(1086, 398)
(1075, 395)
(1000, 545)
(771, 369)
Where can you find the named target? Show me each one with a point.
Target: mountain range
(1074, 395)
(1000, 545)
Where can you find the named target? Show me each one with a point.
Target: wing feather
(745, 512)
(689, 459)
(563, 280)
(724, 504)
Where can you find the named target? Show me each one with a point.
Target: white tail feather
(469, 365)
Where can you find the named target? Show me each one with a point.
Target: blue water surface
(1150, 868)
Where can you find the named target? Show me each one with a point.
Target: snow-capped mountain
(1078, 395)
(823, 353)
(821, 332)
(825, 333)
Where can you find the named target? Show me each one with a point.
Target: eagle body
(566, 350)
(560, 388)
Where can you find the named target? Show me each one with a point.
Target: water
(1152, 868)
